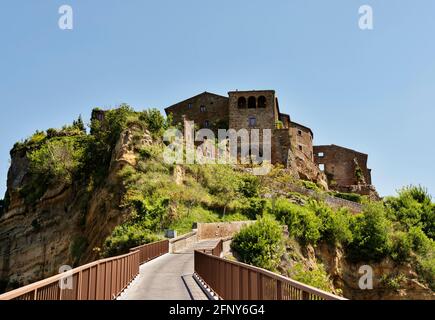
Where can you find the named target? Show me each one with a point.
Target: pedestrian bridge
(156, 272)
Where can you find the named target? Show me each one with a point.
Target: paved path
(168, 277)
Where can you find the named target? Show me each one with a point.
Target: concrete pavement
(168, 277)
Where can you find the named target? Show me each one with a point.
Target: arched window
(241, 103)
(252, 103)
(262, 102)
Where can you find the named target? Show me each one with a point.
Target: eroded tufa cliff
(63, 225)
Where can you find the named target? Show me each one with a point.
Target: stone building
(345, 169)
(291, 142)
(208, 110)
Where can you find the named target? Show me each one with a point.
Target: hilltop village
(292, 145)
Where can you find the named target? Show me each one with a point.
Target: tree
(371, 234)
(79, 125)
(260, 244)
(57, 160)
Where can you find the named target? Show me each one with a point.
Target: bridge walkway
(168, 277)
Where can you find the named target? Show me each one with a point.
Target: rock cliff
(64, 225)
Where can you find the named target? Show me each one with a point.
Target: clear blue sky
(373, 91)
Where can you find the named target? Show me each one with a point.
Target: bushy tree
(254, 208)
(249, 186)
(79, 124)
(260, 244)
(58, 160)
(302, 222)
(413, 208)
(316, 277)
(156, 122)
(335, 226)
(371, 234)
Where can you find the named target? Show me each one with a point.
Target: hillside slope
(75, 196)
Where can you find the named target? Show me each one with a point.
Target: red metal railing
(153, 250)
(99, 280)
(218, 249)
(232, 280)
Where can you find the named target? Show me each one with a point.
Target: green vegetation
(208, 193)
(125, 237)
(413, 207)
(316, 277)
(392, 281)
(260, 244)
(57, 160)
(158, 196)
(371, 234)
(302, 222)
(359, 174)
(348, 196)
(310, 185)
(279, 124)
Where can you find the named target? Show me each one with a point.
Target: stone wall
(206, 110)
(302, 139)
(220, 229)
(281, 145)
(331, 201)
(340, 166)
(265, 115)
(182, 242)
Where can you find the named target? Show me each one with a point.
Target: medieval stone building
(339, 168)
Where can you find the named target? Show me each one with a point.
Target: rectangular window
(320, 154)
(206, 124)
(300, 148)
(322, 167)
(189, 106)
(202, 109)
(299, 133)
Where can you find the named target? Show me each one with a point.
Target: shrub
(59, 160)
(187, 217)
(156, 123)
(426, 268)
(401, 247)
(254, 208)
(348, 196)
(125, 237)
(428, 220)
(421, 244)
(310, 185)
(249, 186)
(413, 207)
(415, 240)
(370, 231)
(302, 222)
(150, 151)
(392, 281)
(37, 137)
(260, 244)
(335, 226)
(317, 277)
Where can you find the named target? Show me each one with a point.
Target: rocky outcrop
(66, 223)
(391, 281)
(308, 170)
